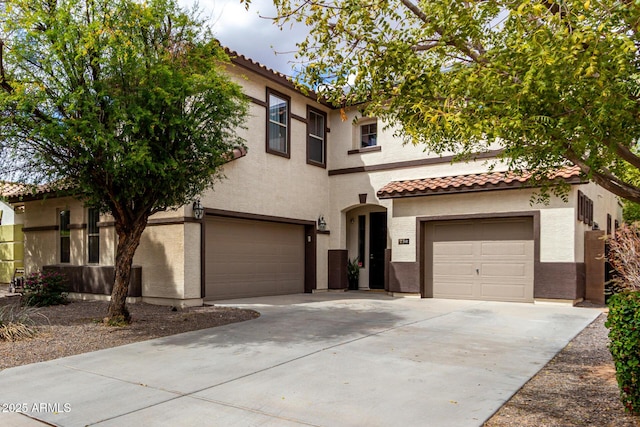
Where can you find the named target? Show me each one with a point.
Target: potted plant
(353, 274)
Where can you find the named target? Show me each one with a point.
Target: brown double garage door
(247, 258)
(484, 259)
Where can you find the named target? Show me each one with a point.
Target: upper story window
(368, 135)
(316, 137)
(65, 236)
(278, 119)
(93, 236)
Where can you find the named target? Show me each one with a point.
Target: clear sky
(249, 34)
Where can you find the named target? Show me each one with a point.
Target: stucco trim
(40, 228)
(256, 217)
(411, 163)
(299, 118)
(171, 221)
(156, 222)
(365, 150)
(257, 101)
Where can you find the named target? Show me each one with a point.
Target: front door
(377, 246)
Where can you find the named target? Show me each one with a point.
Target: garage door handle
(477, 271)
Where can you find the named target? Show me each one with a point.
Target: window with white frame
(316, 137)
(368, 135)
(278, 118)
(93, 236)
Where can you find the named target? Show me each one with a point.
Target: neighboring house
(418, 223)
(11, 242)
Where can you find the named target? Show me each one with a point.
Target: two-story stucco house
(418, 223)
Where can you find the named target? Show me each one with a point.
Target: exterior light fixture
(322, 224)
(198, 209)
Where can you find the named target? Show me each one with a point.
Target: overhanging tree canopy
(123, 101)
(548, 81)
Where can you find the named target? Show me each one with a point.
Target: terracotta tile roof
(11, 189)
(468, 183)
(283, 79)
(17, 192)
(250, 63)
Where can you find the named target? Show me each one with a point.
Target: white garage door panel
(247, 258)
(449, 269)
(511, 292)
(445, 249)
(503, 248)
(457, 290)
(506, 270)
(489, 259)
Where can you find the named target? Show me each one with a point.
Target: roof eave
(470, 189)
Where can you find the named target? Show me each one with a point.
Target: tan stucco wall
(192, 288)
(604, 203)
(322, 261)
(270, 185)
(42, 246)
(267, 184)
(345, 189)
(345, 136)
(554, 246)
(161, 254)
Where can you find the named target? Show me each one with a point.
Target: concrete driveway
(347, 359)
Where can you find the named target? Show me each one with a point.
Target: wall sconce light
(198, 209)
(322, 224)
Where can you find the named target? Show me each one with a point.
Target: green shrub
(17, 323)
(353, 273)
(44, 289)
(623, 322)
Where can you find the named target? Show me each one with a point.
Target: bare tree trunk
(128, 241)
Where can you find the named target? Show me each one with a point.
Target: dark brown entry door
(377, 246)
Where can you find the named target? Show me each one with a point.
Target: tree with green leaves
(548, 81)
(122, 102)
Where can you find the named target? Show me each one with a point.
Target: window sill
(279, 153)
(317, 164)
(365, 150)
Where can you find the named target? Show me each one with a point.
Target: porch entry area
(367, 240)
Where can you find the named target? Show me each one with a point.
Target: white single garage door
(246, 258)
(484, 259)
